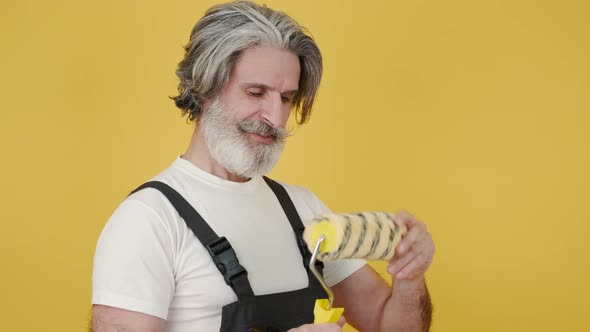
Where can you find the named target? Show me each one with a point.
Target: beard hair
(225, 138)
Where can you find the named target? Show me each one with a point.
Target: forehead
(276, 68)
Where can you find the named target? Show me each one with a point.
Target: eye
(287, 99)
(255, 93)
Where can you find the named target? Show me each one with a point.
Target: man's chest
(264, 244)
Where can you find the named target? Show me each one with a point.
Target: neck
(198, 154)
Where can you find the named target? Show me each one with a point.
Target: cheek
(240, 107)
(287, 114)
(247, 110)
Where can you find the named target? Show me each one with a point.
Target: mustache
(264, 129)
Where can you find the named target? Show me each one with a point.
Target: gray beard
(226, 141)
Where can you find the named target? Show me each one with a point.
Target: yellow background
(473, 115)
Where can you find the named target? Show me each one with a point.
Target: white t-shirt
(147, 259)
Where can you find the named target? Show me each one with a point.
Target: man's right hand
(325, 327)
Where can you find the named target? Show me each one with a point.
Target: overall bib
(252, 313)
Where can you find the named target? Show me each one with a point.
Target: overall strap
(219, 248)
(296, 224)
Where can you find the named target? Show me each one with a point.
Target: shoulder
(135, 257)
(138, 221)
(145, 208)
(149, 207)
(145, 221)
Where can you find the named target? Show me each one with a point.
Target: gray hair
(217, 41)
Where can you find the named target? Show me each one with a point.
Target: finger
(410, 238)
(413, 269)
(423, 248)
(400, 262)
(341, 321)
(323, 327)
(403, 217)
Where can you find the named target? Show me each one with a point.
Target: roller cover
(369, 235)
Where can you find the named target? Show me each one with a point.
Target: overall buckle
(225, 259)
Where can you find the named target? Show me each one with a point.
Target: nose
(274, 112)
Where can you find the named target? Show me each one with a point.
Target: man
(158, 263)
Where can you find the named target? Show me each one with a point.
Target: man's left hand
(415, 251)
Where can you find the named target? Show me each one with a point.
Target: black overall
(251, 313)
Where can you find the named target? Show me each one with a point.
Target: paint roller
(367, 235)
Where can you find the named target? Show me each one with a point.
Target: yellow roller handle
(323, 315)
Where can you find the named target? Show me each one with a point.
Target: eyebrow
(265, 87)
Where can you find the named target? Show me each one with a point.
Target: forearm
(409, 308)
(111, 319)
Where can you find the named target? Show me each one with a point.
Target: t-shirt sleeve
(133, 263)
(334, 271)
